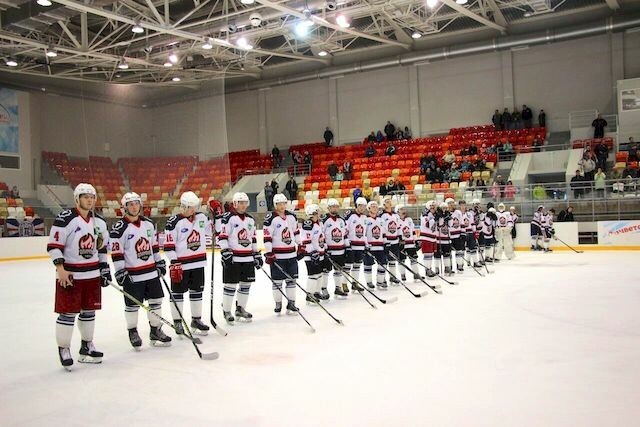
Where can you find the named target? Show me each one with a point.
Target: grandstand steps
(38, 207)
(558, 141)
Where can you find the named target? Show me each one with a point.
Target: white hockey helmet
(189, 199)
(81, 189)
(493, 210)
(540, 207)
(476, 201)
(444, 205)
(449, 200)
(333, 202)
(239, 197)
(279, 198)
(501, 207)
(512, 208)
(130, 197)
(361, 201)
(430, 204)
(372, 204)
(311, 209)
(399, 207)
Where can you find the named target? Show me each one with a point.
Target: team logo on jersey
(444, 229)
(243, 238)
(86, 246)
(286, 236)
(336, 235)
(503, 220)
(193, 241)
(375, 232)
(143, 249)
(392, 227)
(321, 240)
(359, 231)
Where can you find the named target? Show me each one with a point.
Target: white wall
(242, 120)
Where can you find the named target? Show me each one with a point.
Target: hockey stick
(437, 274)
(481, 253)
(470, 263)
(354, 280)
(338, 321)
(434, 289)
(213, 263)
(564, 243)
(204, 356)
(338, 268)
(287, 298)
(421, 294)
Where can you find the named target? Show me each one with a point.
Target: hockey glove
(176, 273)
(123, 278)
(552, 231)
(257, 261)
(301, 253)
(269, 258)
(105, 274)
(227, 258)
(161, 266)
(315, 258)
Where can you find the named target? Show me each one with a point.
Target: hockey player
(443, 248)
(469, 225)
(536, 230)
(375, 232)
(186, 247)
(136, 259)
(504, 225)
(78, 248)
(393, 237)
(355, 221)
(546, 226)
(313, 241)
(488, 232)
(514, 217)
(335, 231)
(239, 253)
(408, 242)
(457, 231)
(428, 236)
(282, 244)
(479, 216)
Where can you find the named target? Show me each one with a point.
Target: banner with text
(619, 233)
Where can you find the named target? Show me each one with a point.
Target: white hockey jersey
(81, 243)
(441, 230)
(504, 219)
(456, 224)
(335, 231)
(281, 234)
(313, 239)
(537, 218)
(186, 241)
(487, 226)
(238, 233)
(356, 230)
(375, 233)
(546, 220)
(392, 224)
(469, 221)
(427, 226)
(479, 219)
(407, 232)
(134, 247)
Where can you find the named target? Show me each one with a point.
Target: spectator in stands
(632, 148)
(490, 149)
(391, 149)
(507, 148)
(292, 188)
(537, 144)
(268, 195)
(499, 146)
(588, 166)
(516, 119)
(454, 173)
(347, 170)
(542, 119)
(618, 185)
(275, 186)
(367, 193)
(438, 175)
(407, 133)
(297, 158)
(539, 193)
(372, 137)
(15, 194)
(577, 185)
(480, 164)
(328, 136)
(424, 163)
(481, 184)
(598, 126)
(428, 175)
(527, 117)
(399, 135)
(501, 185)
(497, 120)
(275, 156)
(599, 182)
(307, 158)
(389, 130)
(466, 166)
(628, 170)
(449, 158)
(494, 191)
(384, 188)
(510, 191)
(506, 119)
(566, 215)
(473, 150)
(332, 170)
(602, 152)
(370, 151)
(379, 137)
(357, 192)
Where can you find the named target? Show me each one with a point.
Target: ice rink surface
(548, 340)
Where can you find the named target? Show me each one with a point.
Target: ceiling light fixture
(173, 58)
(168, 64)
(175, 79)
(243, 43)
(342, 21)
(137, 28)
(432, 3)
(45, 3)
(323, 53)
(208, 44)
(51, 52)
(461, 1)
(416, 35)
(123, 65)
(11, 62)
(247, 1)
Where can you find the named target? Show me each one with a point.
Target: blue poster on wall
(9, 141)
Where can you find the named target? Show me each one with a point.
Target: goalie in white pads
(78, 248)
(186, 247)
(240, 257)
(282, 245)
(136, 259)
(314, 244)
(504, 225)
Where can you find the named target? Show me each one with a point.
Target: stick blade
(210, 356)
(423, 294)
(220, 331)
(391, 300)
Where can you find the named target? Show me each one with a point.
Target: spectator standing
(347, 170)
(275, 156)
(516, 119)
(407, 133)
(275, 186)
(588, 166)
(328, 136)
(268, 195)
(307, 158)
(598, 126)
(332, 170)
(542, 119)
(379, 137)
(449, 158)
(372, 137)
(501, 185)
(292, 188)
(602, 152)
(510, 191)
(527, 117)
(599, 182)
(577, 182)
(389, 130)
(632, 148)
(506, 119)
(370, 151)
(497, 120)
